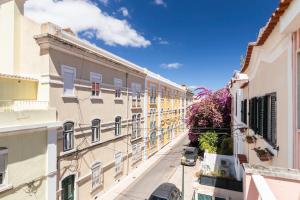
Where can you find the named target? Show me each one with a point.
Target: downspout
(127, 117)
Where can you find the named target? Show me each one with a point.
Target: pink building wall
(282, 189)
(296, 48)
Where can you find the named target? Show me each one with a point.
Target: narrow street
(162, 171)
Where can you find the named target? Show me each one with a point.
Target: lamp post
(182, 181)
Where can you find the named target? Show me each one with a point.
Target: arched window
(68, 136)
(96, 130)
(117, 126)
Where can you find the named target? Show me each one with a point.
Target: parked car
(189, 156)
(166, 191)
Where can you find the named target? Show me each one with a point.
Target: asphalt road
(161, 172)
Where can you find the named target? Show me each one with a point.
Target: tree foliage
(212, 110)
(208, 141)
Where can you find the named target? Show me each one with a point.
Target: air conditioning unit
(224, 172)
(225, 163)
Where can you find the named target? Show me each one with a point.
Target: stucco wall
(26, 155)
(82, 110)
(281, 188)
(268, 72)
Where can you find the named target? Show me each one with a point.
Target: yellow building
(163, 112)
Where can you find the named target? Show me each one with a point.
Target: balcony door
(68, 188)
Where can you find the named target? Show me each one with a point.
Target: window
(68, 135)
(69, 74)
(152, 93)
(97, 175)
(136, 152)
(118, 87)
(96, 80)
(244, 111)
(3, 165)
(138, 125)
(134, 127)
(118, 126)
(96, 130)
(118, 163)
(68, 188)
(236, 103)
(136, 91)
(263, 116)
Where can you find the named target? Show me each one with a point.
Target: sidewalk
(118, 188)
(189, 179)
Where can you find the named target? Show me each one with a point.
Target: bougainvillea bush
(212, 110)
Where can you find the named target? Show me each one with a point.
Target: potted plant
(262, 154)
(250, 139)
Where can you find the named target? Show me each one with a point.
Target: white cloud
(124, 11)
(174, 65)
(160, 2)
(160, 40)
(83, 15)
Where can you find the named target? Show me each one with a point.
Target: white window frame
(97, 175)
(118, 126)
(138, 121)
(118, 162)
(136, 152)
(96, 135)
(4, 155)
(134, 127)
(95, 78)
(118, 87)
(136, 91)
(152, 93)
(68, 69)
(70, 139)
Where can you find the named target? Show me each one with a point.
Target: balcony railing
(22, 105)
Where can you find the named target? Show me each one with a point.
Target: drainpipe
(127, 117)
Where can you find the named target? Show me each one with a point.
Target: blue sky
(193, 42)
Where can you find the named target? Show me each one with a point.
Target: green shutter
(68, 188)
(273, 119)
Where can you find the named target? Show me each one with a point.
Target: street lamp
(182, 190)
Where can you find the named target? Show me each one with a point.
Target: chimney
(11, 13)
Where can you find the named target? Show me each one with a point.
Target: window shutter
(250, 113)
(273, 119)
(260, 117)
(245, 111)
(265, 116)
(242, 111)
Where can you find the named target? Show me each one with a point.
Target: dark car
(189, 156)
(166, 191)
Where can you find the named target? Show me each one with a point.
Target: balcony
(22, 105)
(24, 112)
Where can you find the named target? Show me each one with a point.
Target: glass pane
(68, 83)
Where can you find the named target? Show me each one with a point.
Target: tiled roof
(266, 31)
(17, 77)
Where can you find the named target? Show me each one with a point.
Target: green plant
(226, 146)
(208, 141)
